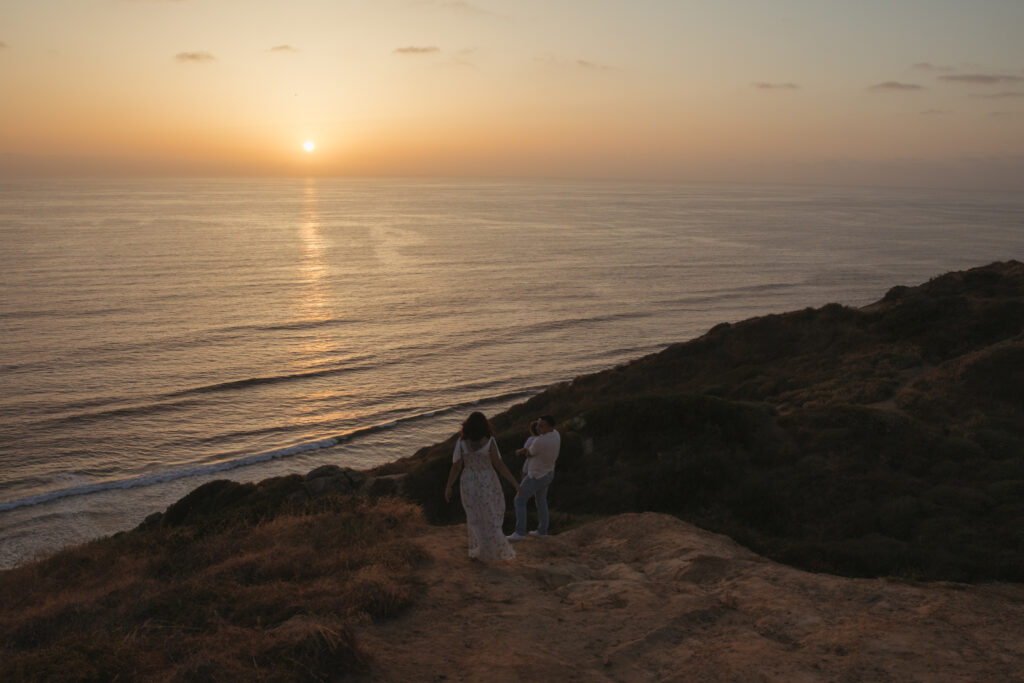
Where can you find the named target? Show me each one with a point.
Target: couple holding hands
(478, 461)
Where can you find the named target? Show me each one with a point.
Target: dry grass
(265, 602)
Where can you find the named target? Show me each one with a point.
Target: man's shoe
(516, 537)
(537, 534)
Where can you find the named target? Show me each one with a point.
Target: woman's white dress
(484, 503)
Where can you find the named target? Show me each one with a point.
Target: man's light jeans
(538, 488)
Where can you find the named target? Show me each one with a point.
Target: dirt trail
(646, 597)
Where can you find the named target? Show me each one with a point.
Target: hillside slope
(886, 440)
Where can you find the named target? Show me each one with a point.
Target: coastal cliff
(882, 445)
(884, 440)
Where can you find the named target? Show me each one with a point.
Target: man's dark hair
(550, 420)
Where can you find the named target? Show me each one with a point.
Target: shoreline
(107, 508)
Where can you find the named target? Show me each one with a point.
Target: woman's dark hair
(533, 428)
(476, 427)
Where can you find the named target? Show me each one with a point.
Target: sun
(308, 146)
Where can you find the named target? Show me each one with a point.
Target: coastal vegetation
(881, 441)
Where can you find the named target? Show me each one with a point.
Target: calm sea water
(157, 335)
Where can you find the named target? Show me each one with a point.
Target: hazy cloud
(928, 66)
(3, 45)
(282, 48)
(895, 86)
(465, 7)
(413, 50)
(933, 112)
(1006, 95)
(453, 6)
(195, 57)
(553, 61)
(761, 85)
(1006, 114)
(464, 57)
(982, 79)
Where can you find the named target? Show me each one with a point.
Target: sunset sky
(914, 92)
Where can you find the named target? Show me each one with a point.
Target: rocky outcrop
(333, 479)
(646, 597)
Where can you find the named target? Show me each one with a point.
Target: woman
(477, 459)
(534, 433)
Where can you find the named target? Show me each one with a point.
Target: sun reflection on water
(315, 301)
(314, 296)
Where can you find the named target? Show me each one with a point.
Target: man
(540, 471)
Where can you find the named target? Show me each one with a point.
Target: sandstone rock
(385, 485)
(647, 597)
(333, 479)
(324, 471)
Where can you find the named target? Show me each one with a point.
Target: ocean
(158, 334)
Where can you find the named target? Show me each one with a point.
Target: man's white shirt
(544, 452)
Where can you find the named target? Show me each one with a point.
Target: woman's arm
(453, 474)
(525, 450)
(499, 465)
